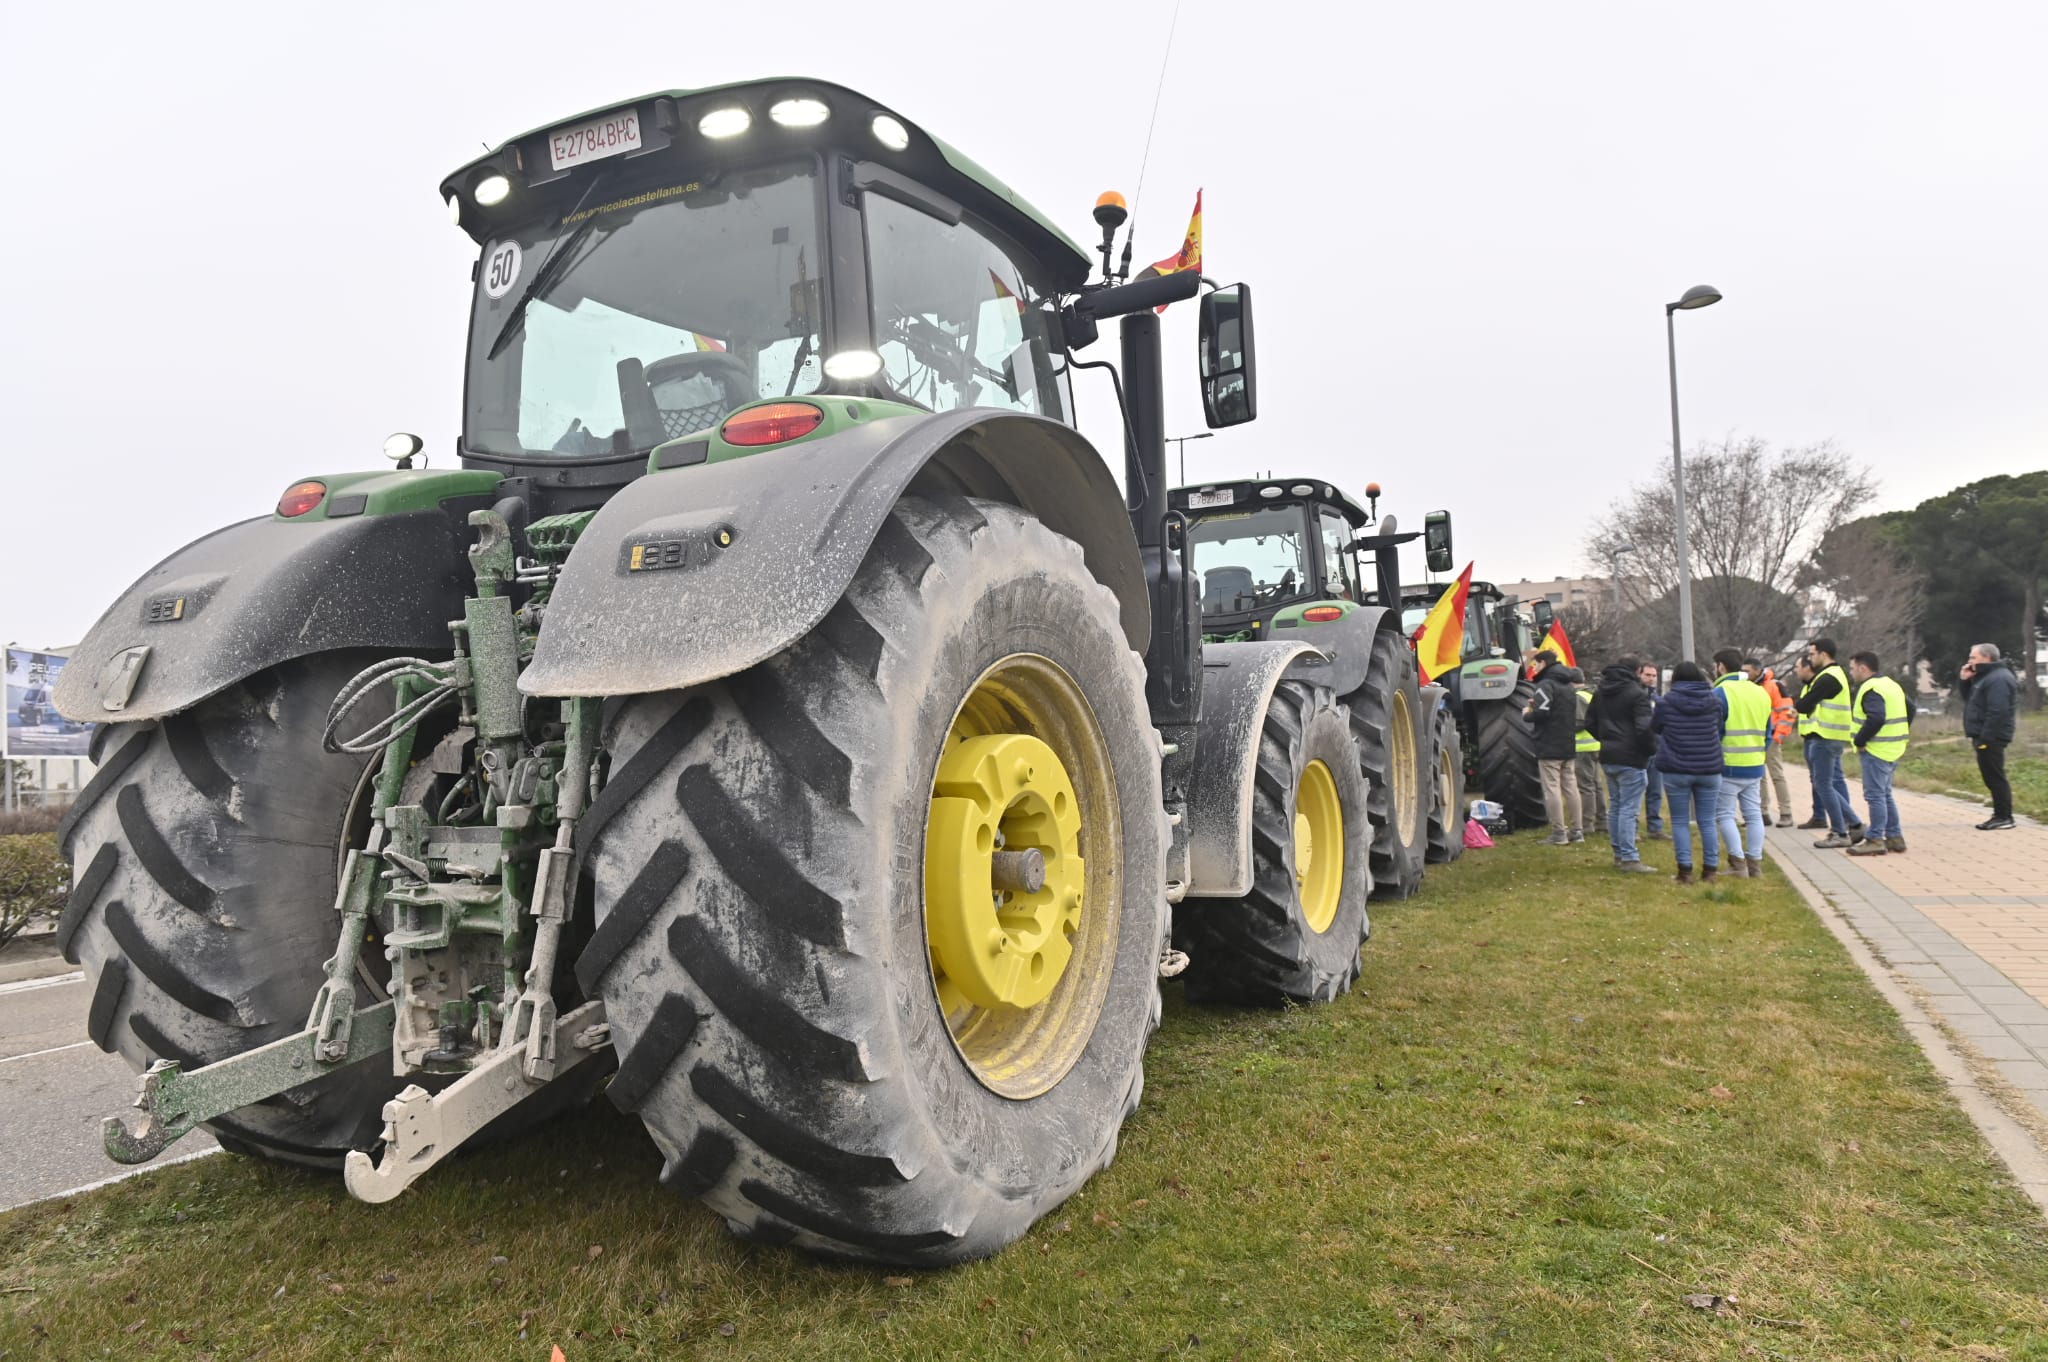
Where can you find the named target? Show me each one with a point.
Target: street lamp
(1699, 295)
(1182, 440)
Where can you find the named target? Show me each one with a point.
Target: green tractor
(1296, 559)
(1488, 694)
(777, 707)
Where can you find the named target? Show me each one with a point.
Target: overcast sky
(228, 266)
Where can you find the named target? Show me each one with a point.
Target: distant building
(1563, 591)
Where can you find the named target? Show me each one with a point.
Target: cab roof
(1252, 493)
(668, 118)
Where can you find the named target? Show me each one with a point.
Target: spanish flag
(1559, 644)
(1188, 257)
(1440, 642)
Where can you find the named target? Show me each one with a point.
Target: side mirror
(1436, 540)
(1230, 375)
(1546, 615)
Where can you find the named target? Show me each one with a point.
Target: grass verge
(1561, 1103)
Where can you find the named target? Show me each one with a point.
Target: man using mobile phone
(1990, 712)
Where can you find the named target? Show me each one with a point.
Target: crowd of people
(1705, 753)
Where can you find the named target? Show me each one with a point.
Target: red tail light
(1494, 669)
(1322, 614)
(301, 497)
(772, 424)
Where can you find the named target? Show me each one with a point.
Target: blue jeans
(1624, 794)
(1653, 799)
(1806, 748)
(1877, 793)
(1749, 796)
(1694, 795)
(1824, 763)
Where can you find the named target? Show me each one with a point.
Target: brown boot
(1684, 875)
(1733, 870)
(1756, 869)
(1707, 875)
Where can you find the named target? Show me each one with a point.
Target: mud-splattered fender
(1238, 680)
(266, 591)
(1344, 650)
(697, 573)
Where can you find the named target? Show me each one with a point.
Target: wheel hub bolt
(1018, 871)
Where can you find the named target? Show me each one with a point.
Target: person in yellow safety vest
(1774, 746)
(1743, 743)
(1802, 677)
(1592, 784)
(1883, 717)
(1826, 703)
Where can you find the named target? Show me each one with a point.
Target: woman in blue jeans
(1689, 723)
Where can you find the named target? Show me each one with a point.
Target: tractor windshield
(1251, 559)
(656, 307)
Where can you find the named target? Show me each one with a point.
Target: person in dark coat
(1619, 717)
(1554, 716)
(1991, 700)
(1690, 720)
(1651, 675)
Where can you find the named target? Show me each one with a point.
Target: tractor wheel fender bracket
(694, 574)
(1238, 681)
(254, 594)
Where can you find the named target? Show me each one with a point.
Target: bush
(25, 821)
(33, 879)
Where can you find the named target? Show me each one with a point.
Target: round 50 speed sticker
(501, 268)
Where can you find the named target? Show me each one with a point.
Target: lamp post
(1699, 295)
(1181, 442)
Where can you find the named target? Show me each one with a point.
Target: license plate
(1199, 500)
(612, 135)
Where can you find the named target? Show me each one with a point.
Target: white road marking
(53, 1050)
(122, 1177)
(76, 976)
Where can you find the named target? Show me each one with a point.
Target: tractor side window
(959, 321)
(1340, 567)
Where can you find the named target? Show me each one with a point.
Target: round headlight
(727, 122)
(799, 113)
(455, 210)
(492, 189)
(852, 364)
(889, 132)
(403, 445)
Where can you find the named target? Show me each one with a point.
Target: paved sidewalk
(1962, 917)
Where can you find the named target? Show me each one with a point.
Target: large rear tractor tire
(1393, 740)
(1295, 937)
(202, 903)
(846, 1020)
(1507, 758)
(1447, 802)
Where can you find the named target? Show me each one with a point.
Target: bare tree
(1754, 516)
(1871, 593)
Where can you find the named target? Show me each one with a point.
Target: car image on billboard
(34, 727)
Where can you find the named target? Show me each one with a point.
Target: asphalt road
(55, 1087)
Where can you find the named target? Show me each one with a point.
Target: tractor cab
(686, 277)
(1272, 555)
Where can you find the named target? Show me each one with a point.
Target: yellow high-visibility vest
(1803, 722)
(1890, 742)
(1586, 741)
(1831, 717)
(1749, 720)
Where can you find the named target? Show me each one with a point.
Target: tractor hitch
(173, 1101)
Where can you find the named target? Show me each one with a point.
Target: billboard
(34, 727)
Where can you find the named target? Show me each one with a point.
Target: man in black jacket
(1554, 715)
(1620, 718)
(1990, 714)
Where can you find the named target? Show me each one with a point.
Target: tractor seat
(1221, 586)
(691, 391)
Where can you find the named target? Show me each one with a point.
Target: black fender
(1216, 770)
(265, 591)
(1343, 649)
(765, 545)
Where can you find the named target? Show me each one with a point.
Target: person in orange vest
(1782, 717)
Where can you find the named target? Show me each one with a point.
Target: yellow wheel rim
(1318, 846)
(1406, 778)
(1448, 779)
(1020, 896)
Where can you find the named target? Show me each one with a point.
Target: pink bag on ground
(1476, 837)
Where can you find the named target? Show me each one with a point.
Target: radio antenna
(1165, 60)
